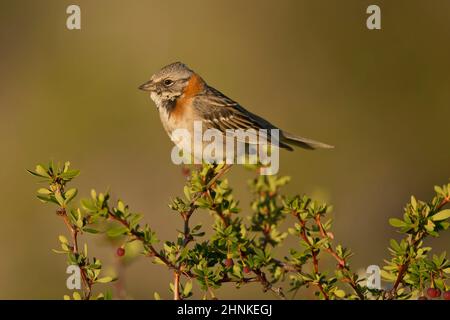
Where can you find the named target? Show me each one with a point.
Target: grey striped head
(168, 83)
(173, 71)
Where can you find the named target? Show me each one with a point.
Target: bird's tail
(305, 143)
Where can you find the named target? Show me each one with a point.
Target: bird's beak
(148, 86)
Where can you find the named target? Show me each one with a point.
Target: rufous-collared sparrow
(183, 97)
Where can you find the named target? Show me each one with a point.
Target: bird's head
(169, 83)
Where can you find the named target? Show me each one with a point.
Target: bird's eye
(168, 82)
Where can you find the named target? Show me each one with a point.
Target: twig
(342, 263)
(402, 270)
(176, 284)
(178, 270)
(138, 236)
(443, 203)
(313, 253)
(74, 235)
(261, 277)
(186, 231)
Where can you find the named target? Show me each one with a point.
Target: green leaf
(108, 295)
(45, 199)
(156, 296)
(134, 220)
(395, 245)
(429, 226)
(90, 230)
(187, 193)
(396, 222)
(339, 293)
(120, 206)
(69, 174)
(414, 202)
(88, 205)
(388, 276)
(444, 225)
(441, 215)
(117, 231)
(104, 280)
(59, 251)
(79, 219)
(44, 191)
(63, 239)
(66, 166)
(187, 288)
(438, 190)
(70, 194)
(76, 296)
(59, 198)
(40, 170)
(100, 296)
(158, 261)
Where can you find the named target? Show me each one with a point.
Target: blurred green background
(312, 67)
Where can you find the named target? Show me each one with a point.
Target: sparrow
(183, 97)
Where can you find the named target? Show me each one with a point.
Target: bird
(182, 97)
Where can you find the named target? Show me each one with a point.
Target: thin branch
(186, 230)
(314, 255)
(443, 203)
(261, 277)
(342, 262)
(403, 268)
(176, 284)
(139, 236)
(74, 235)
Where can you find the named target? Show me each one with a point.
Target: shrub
(243, 252)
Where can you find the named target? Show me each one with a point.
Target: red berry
(422, 298)
(247, 269)
(185, 171)
(120, 252)
(438, 292)
(229, 262)
(433, 292)
(446, 295)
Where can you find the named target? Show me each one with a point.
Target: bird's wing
(222, 113)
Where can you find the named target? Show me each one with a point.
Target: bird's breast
(178, 117)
